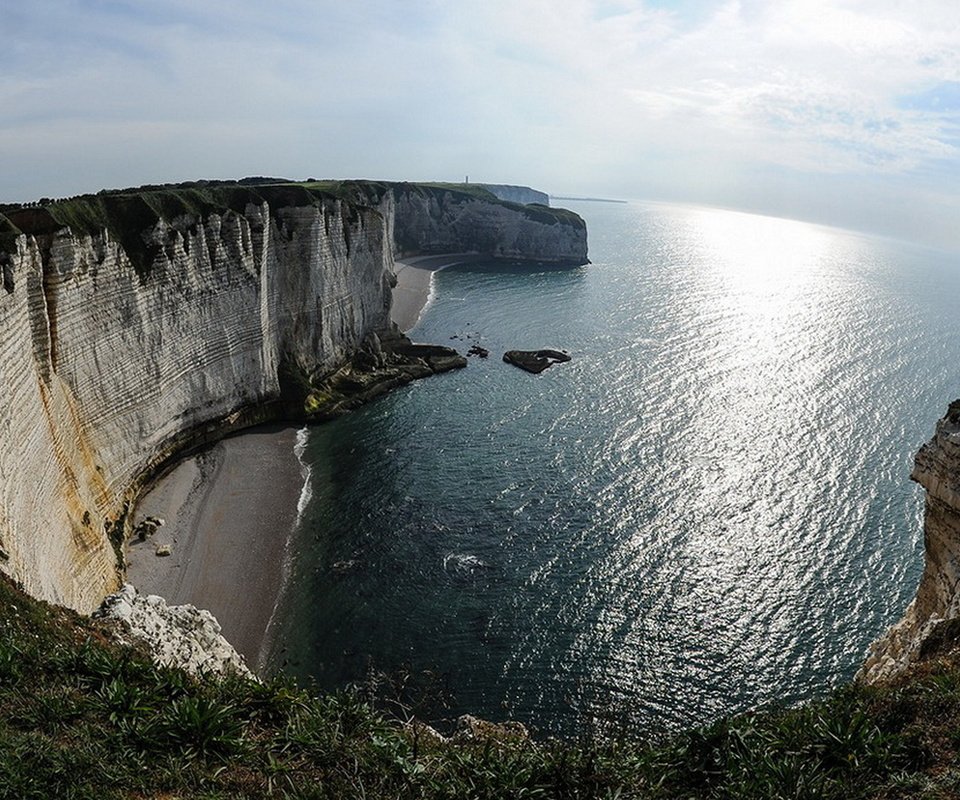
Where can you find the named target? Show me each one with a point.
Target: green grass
(129, 214)
(83, 718)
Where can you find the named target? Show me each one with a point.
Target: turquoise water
(707, 510)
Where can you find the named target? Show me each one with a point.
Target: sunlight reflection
(763, 277)
(759, 250)
(759, 295)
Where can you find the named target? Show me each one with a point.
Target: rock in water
(176, 636)
(477, 350)
(535, 361)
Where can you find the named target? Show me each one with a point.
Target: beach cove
(658, 526)
(229, 510)
(689, 519)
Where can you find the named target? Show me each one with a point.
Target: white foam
(463, 563)
(431, 295)
(432, 291)
(306, 492)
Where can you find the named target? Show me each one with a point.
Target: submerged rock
(175, 636)
(535, 361)
(463, 563)
(477, 350)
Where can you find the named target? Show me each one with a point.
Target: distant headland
(587, 199)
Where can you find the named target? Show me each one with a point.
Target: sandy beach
(414, 278)
(229, 512)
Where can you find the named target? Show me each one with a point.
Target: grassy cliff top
(83, 718)
(126, 213)
(373, 191)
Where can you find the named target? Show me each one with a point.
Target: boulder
(477, 350)
(177, 636)
(535, 361)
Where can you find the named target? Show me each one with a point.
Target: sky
(842, 112)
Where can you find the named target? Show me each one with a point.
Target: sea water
(707, 510)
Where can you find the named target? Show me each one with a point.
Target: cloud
(810, 85)
(664, 98)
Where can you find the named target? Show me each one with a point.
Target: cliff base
(385, 362)
(930, 622)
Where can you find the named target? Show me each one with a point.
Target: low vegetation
(83, 718)
(129, 214)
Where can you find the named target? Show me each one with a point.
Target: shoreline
(414, 288)
(268, 637)
(230, 512)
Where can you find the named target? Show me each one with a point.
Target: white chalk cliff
(444, 222)
(184, 637)
(126, 337)
(516, 194)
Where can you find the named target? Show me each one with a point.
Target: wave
(306, 492)
(463, 563)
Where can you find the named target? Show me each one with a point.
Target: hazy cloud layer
(844, 111)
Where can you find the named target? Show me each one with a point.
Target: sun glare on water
(751, 372)
(765, 297)
(689, 519)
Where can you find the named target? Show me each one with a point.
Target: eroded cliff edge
(931, 620)
(139, 323)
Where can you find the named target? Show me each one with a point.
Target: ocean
(707, 510)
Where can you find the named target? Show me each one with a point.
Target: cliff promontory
(931, 621)
(138, 323)
(462, 218)
(517, 194)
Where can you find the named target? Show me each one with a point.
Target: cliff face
(517, 194)
(105, 372)
(442, 221)
(931, 619)
(135, 324)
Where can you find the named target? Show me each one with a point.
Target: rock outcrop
(931, 621)
(137, 324)
(184, 636)
(381, 365)
(535, 361)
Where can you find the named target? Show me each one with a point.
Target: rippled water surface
(706, 510)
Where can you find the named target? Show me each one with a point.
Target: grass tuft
(83, 718)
